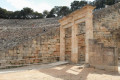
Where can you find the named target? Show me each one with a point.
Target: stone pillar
(116, 59)
(89, 32)
(74, 41)
(62, 43)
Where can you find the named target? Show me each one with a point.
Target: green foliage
(101, 3)
(77, 5)
(57, 11)
(51, 14)
(3, 13)
(16, 15)
(110, 2)
(25, 13)
(64, 11)
(37, 15)
(45, 13)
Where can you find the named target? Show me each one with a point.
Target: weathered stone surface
(24, 42)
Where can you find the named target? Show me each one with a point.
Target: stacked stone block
(102, 57)
(42, 49)
(25, 42)
(81, 46)
(68, 44)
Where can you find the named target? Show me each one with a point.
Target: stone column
(89, 32)
(74, 41)
(62, 43)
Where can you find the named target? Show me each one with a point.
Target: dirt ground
(64, 72)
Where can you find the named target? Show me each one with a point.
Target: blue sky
(36, 5)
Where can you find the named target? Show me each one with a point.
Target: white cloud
(40, 7)
(19, 4)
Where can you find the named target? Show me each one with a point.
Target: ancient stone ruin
(84, 36)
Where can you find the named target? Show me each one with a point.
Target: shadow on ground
(62, 72)
(73, 72)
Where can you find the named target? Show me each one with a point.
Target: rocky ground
(63, 72)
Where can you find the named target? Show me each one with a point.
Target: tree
(77, 5)
(100, 4)
(64, 11)
(37, 15)
(9, 15)
(82, 3)
(51, 14)
(110, 2)
(57, 10)
(45, 13)
(16, 15)
(74, 5)
(3, 13)
(26, 13)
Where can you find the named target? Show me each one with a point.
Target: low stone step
(59, 63)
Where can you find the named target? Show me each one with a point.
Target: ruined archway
(82, 15)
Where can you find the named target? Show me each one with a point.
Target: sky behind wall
(36, 5)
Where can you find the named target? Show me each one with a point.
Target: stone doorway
(68, 32)
(72, 21)
(81, 48)
(81, 42)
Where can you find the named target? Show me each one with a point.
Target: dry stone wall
(102, 57)
(27, 23)
(103, 48)
(15, 34)
(105, 21)
(43, 48)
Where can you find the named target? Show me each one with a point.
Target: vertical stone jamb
(62, 43)
(78, 16)
(89, 31)
(74, 42)
(116, 63)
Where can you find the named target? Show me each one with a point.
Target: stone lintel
(81, 15)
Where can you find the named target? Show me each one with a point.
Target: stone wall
(102, 57)
(81, 48)
(68, 45)
(104, 49)
(15, 32)
(81, 42)
(105, 21)
(42, 49)
(38, 41)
